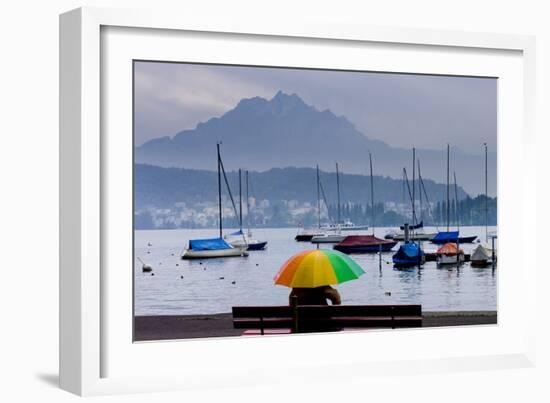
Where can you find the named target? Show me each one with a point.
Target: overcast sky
(399, 109)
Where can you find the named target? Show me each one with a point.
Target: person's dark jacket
(315, 296)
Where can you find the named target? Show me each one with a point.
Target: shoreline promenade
(149, 328)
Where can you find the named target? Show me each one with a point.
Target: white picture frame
(90, 337)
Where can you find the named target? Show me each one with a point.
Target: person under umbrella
(311, 273)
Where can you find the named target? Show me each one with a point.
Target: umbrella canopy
(316, 268)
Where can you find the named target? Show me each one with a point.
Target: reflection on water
(215, 285)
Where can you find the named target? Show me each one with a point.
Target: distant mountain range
(260, 134)
(164, 187)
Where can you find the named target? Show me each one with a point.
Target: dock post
(380, 257)
(294, 304)
(493, 252)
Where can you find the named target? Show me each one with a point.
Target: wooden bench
(322, 318)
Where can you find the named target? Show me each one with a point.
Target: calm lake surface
(206, 286)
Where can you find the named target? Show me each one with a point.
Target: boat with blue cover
(409, 254)
(212, 248)
(444, 237)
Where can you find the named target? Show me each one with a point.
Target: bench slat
(262, 311)
(272, 323)
(360, 310)
(315, 317)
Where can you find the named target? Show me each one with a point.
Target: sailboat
(410, 253)
(366, 243)
(214, 247)
(341, 225)
(239, 238)
(306, 235)
(327, 237)
(417, 230)
(450, 252)
(444, 237)
(483, 255)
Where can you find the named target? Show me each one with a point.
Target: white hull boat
(214, 247)
(444, 260)
(248, 244)
(345, 226)
(206, 254)
(482, 256)
(416, 236)
(328, 238)
(450, 254)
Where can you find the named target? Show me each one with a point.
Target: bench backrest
(360, 310)
(317, 317)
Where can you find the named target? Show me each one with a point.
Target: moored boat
(215, 247)
(408, 255)
(481, 257)
(414, 236)
(212, 248)
(450, 254)
(444, 237)
(328, 238)
(448, 236)
(239, 239)
(344, 226)
(364, 244)
(413, 227)
(305, 235)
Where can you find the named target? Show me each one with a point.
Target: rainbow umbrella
(315, 268)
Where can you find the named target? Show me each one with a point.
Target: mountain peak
(283, 103)
(283, 97)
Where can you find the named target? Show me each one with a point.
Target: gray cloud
(400, 109)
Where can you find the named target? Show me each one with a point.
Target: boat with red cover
(364, 244)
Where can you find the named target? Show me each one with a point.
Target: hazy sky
(402, 110)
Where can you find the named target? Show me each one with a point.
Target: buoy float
(145, 267)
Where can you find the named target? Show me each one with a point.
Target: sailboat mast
(457, 216)
(420, 192)
(318, 200)
(219, 189)
(338, 192)
(371, 193)
(247, 203)
(448, 211)
(240, 202)
(413, 193)
(486, 199)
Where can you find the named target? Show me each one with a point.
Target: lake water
(206, 286)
